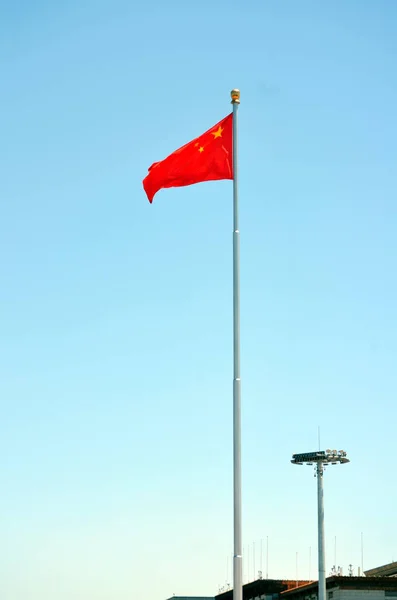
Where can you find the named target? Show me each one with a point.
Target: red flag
(206, 158)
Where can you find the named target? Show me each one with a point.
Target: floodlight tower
(320, 459)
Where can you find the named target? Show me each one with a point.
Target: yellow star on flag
(217, 133)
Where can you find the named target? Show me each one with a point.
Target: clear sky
(115, 315)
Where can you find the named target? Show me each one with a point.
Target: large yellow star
(217, 133)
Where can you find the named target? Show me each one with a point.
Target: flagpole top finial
(235, 95)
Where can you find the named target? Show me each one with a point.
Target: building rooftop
(357, 583)
(191, 598)
(389, 570)
(262, 586)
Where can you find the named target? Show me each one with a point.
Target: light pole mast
(320, 459)
(321, 542)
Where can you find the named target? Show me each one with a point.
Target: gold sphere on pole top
(235, 94)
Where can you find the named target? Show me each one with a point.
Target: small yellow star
(196, 144)
(201, 149)
(217, 133)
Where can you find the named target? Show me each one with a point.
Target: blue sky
(115, 316)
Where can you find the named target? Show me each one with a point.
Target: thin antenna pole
(254, 562)
(248, 579)
(310, 562)
(335, 552)
(319, 439)
(237, 558)
(267, 557)
(262, 556)
(296, 569)
(362, 554)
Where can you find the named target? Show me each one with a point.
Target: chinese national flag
(206, 158)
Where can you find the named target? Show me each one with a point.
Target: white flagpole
(237, 557)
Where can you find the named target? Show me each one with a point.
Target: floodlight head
(332, 457)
